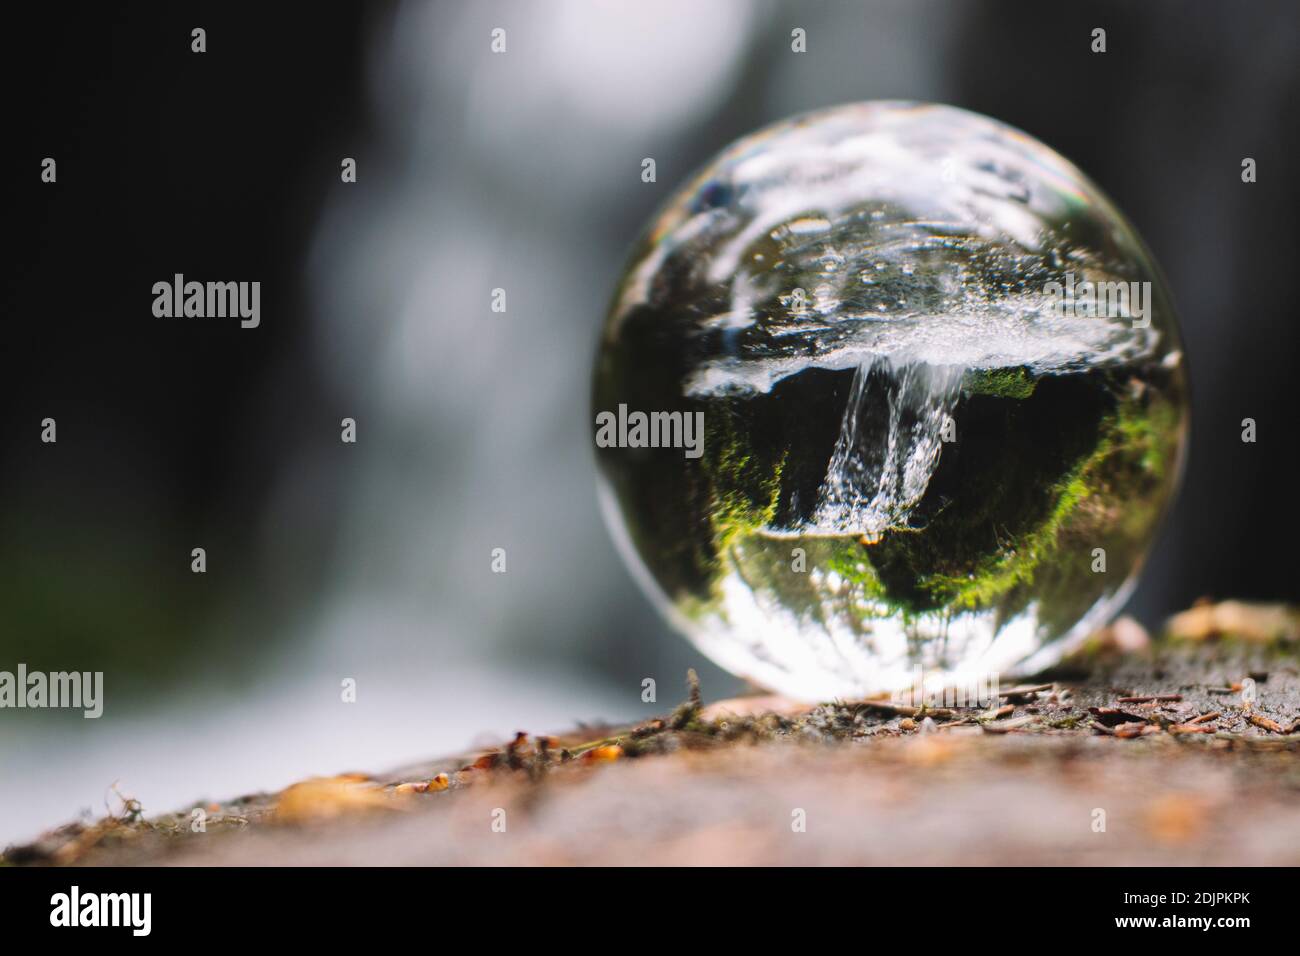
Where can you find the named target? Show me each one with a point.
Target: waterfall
(888, 447)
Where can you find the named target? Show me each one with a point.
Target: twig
(1190, 728)
(904, 710)
(1136, 729)
(1024, 690)
(1006, 726)
(1259, 720)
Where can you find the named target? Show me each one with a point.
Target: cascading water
(882, 463)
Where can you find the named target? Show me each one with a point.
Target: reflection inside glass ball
(940, 399)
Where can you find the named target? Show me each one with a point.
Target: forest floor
(1181, 750)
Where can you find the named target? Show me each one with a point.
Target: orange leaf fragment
(325, 798)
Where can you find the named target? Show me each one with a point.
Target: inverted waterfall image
(943, 395)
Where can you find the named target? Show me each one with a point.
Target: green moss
(1084, 504)
(1000, 382)
(1150, 435)
(998, 497)
(745, 488)
(742, 488)
(849, 559)
(1014, 561)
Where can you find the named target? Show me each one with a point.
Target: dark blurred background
(478, 171)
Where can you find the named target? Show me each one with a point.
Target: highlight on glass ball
(888, 389)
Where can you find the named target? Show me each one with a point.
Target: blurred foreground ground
(1132, 753)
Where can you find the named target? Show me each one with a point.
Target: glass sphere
(888, 389)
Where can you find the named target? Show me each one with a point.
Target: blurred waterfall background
(478, 171)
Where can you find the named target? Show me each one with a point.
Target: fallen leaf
(326, 798)
(603, 754)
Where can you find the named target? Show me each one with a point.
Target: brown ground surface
(1199, 778)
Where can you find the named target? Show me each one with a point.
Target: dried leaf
(326, 798)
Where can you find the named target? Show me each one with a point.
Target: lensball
(887, 390)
